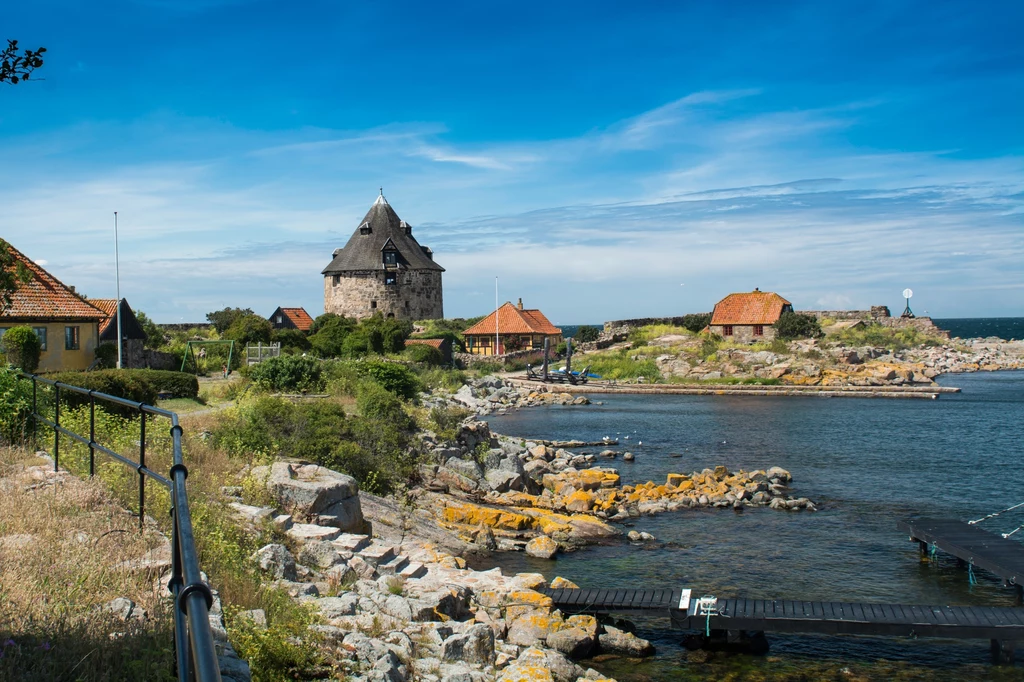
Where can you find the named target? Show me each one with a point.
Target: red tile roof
(44, 297)
(756, 307)
(298, 317)
(109, 308)
(436, 343)
(512, 320)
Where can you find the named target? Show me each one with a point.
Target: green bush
(422, 353)
(117, 382)
(393, 376)
(709, 347)
(178, 384)
(446, 420)
(586, 333)
(441, 377)
(249, 330)
(15, 405)
(792, 325)
(22, 348)
(223, 319)
(376, 402)
(288, 373)
(106, 355)
(291, 340)
(328, 334)
(695, 322)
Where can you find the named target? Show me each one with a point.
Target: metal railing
(195, 655)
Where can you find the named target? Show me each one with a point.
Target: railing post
(142, 465)
(56, 428)
(92, 434)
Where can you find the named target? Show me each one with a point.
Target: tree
(249, 329)
(586, 333)
(792, 325)
(222, 319)
(154, 334)
(329, 334)
(22, 347)
(15, 67)
(291, 340)
(695, 322)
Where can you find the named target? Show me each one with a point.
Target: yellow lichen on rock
(469, 514)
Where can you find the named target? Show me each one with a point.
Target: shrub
(117, 382)
(329, 333)
(249, 329)
(792, 325)
(778, 346)
(695, 322)
(292, 340)
(586, 333)
(22, 347)
(376, 402)
(708, 347)
(15, 404)
(441, 377)
(178, 384)
(446, 420)
(223, 319)
(288, 373)
(424, 354)
(396, 378)
(561, 348)
(273, 426)
(106, 355)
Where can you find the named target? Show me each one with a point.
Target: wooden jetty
(971, 545)
(1001, 625)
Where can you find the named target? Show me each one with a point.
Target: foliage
(446, 420)
(586, 333)
(376, 402)
(15, 67)
(385, 334)
(291, 340)
(249, 329)
(22, 348)
(561, 348)
(512, 343)
(12, 273)
(621, 364)
(778, 346)
(422, 353)
(329, 332)
(695, 322)
(275, 653)
(154, 334)
(441, 377)
(15, 404)
(106, 355)
(447, 329)
(458, 345)
(288, 373)
(178, 384)
(890, 338)
(117, 382)
(709, 346)
(223, 319)
(643, 335)
(393, 376)
(792, 325)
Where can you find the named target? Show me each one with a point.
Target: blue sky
(604, 160)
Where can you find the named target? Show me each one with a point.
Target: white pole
(497, 337)
(117, 279)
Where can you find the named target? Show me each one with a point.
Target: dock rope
(707, 606)
(995, 514)
(1006, 535)
(970, 575)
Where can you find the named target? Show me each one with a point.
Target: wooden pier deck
(1000, 625)
(971, 545)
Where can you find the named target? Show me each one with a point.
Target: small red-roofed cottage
(133, 336)
(291, 318)
(748, 318)
(67, 325)
(511, 327)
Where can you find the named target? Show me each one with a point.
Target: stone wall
(744, 333)
(646, 321)
(416, 296)
(877, 312)
(529, 356)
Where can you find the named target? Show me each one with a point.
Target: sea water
(865, 462)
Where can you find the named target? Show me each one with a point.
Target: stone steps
(377, 554)
(394, 566)
(303, 532)
(413, 569)
(347, 542)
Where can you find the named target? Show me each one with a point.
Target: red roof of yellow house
(514, 319)
(44, 296)
(756, 307)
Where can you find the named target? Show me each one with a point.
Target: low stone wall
(469, 359)
(646, 321)
(877, 312)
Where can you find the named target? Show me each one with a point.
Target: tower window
(373, 305)
(365, 228)
(336, 280)
(390, 278)
(390, 258)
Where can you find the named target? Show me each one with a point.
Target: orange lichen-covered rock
(474, 515)
(579, 501)
(560, 583)
(675, 480)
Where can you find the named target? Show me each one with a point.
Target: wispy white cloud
(596, 226)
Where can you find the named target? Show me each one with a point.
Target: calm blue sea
(865, 462)
(964, 327)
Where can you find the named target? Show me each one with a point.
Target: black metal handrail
(195, 655)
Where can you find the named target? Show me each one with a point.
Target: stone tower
(383, 269)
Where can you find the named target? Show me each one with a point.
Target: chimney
(520, 304)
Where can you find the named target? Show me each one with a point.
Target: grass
(644, 335)
(619, 364)
(183, 405)
(886, 337)
(51, 623)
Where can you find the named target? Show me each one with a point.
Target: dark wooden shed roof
(363, 250)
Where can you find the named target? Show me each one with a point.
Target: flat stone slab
(377, 554)
(413, 570)
(350, 542)
(301, 532)
(394, 566)
(254, 514)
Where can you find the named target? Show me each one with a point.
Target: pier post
(1002, 651)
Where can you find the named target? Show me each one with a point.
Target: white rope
(992, 516)
(1006, 535)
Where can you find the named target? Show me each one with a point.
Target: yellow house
(67, 325)
(511, 327)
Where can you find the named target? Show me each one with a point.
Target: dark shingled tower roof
(363, 250)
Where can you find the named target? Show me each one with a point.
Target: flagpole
(117, 279)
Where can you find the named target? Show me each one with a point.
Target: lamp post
(117, 280)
